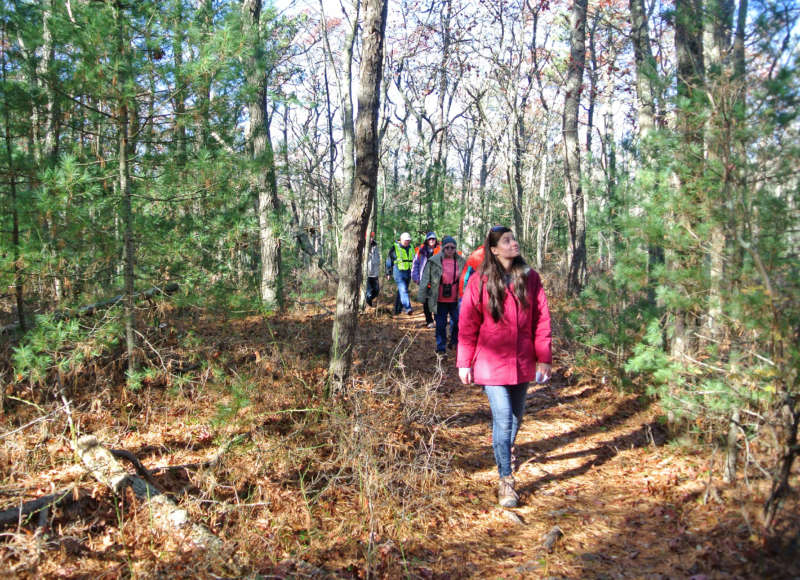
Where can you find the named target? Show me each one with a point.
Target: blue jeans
(402, 278)
(443, 309)
(508, 405)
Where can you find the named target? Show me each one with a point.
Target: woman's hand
(465, 374)
(543, 372)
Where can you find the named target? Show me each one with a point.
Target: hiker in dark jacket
(428, 248)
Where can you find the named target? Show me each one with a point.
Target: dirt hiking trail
(593, 465)
(395, 481)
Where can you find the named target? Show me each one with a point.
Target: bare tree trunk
(44, 123)
(265, 181)
(440, 162)
(46, 140)
(12, 177)
(731, 448)
(356, 219)
(576, 218)
(690, 66)
(483, 179)
(206, 17)
(179, 94)
(789, 418)
(123, 48)
(544, 219)
(646, 83)
(344, 86)
(332, 212)
(717, 42)
(646, 72)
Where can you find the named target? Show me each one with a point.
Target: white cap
(405, 236)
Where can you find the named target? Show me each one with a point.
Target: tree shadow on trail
(536, 452)
(624, 411)
(647, 434)
(541, 399)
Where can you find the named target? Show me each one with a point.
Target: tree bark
(264, 180)
(689, 53)
(40, 506)
(731, 448)
(343, 86)
(179, 92)
(576, 218)
(165, 513)
(788, 417)
(646, 72)
(544, 219)
(123, 128)
(356, 219)
(12, 177)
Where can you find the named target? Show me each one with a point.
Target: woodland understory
(396, 479)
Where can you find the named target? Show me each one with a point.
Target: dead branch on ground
(165, 513)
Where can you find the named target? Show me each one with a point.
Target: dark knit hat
(449, 240)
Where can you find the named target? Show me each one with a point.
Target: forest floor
(395, 480)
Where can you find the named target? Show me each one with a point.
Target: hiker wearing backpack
(504, 343)
(398, 265)
(427, 249)
(438, 289)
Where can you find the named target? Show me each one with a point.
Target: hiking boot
(506, 496)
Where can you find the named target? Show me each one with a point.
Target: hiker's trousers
(508, 405)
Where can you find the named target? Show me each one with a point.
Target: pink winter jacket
(503, 353)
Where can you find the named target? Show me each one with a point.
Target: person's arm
(424, 283)
(542, 336)
(390, 258)
(470, 319)
(415, 269)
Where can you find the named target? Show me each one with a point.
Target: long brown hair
(495, 274)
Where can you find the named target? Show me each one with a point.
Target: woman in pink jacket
(504, 343)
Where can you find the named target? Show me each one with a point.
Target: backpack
(472, 265)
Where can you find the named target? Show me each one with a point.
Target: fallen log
(40, 506)
(89, 309)
(165, 513)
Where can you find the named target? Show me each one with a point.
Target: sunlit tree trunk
(646, 83)
(689, 50)
(576, 218)
(44, 125)
(543, 220)
(264, 180)
(356, 219)
(646, 72)
(717, 43)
